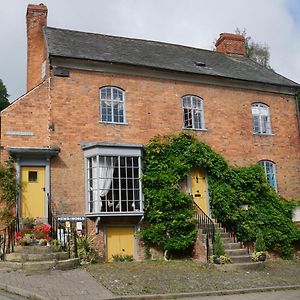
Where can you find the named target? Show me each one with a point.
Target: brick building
(94, 100)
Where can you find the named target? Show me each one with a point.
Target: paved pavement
(278, 295)
(8, 296)
(77, 284)
(53, 285)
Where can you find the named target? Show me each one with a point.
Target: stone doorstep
(236, 252)
(32, 249)
(42, 265)
(240, 259)
(23, 257)
(232, 246)
(226, 240)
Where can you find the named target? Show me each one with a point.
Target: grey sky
(189, 22)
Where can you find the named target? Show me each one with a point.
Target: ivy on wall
(169, 222)
(8, 194)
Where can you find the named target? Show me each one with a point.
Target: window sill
(195, 129)
(113, 123)
(114, 214)
(263, 134)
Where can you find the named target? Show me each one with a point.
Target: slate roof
(104, 48)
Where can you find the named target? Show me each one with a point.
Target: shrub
(122, 258)
(218, 247)
(86, 252)
(260, 245)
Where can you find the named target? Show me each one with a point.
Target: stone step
(232, 246)
(23, 257)
(225, 235)
(32, 249)
(236, 252)
(240, 259)
(242, 266)
(226, 240)
(41, 265)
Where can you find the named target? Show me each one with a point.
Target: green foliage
(260, 245)
(3, 96)
(169, 218)
(8, 193)
(86, 252)
(122, 258)
(256, 51)
(55, 245)
(218, 247)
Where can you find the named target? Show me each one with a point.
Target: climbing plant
(8, 193)
(169, 221)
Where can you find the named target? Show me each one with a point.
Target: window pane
(113, 184)
(112, 105)
(261, 118)
(269, 169)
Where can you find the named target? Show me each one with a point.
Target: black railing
(67, 236)
(7, 240)
(206, 224)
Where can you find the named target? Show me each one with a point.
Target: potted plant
(219, 256)
(259, 253)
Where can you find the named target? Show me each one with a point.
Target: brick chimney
(36, 18)
(230, 43)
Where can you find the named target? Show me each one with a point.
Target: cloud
(191, 22)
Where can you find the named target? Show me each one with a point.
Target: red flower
(18, 236)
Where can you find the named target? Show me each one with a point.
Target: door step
(41, 265)
(38, 258)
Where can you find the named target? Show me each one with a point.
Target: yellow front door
(119, 241)
(33, 192)
(198, 188)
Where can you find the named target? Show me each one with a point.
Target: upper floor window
(270, 171)
(193, 113)
(261, 118)
(112, 105)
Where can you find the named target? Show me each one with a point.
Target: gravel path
(154, 277)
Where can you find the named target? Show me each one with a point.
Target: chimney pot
(230, 43)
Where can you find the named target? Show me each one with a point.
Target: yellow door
(119, 241)
(198, 188)
(33, 192)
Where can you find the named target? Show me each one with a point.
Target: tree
(257, 52)
(3, 96)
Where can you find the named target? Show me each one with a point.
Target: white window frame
(271, 176)
(117, 97)
(261, 120)
(191, 107)
(118, 153)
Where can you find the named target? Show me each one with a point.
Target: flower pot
(217, 260)
(262, 257)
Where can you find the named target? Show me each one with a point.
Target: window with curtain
(112, 105)
(261, 119)
(114, 184)
(193, 113)
(270, 172)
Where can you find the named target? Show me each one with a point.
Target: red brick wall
(29, 113)
(153, 107)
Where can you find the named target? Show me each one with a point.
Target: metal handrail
(7, 240)
(204, 222)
